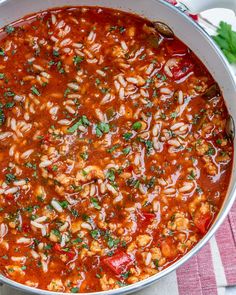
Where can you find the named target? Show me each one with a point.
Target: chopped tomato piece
(202, 221)
(176, 47)
(183, 68)
(130, 168)
(46, 139)
(147, 217)
(9, 197)
(70, 254)
(26, 228)
(118, 262)
(57, 247)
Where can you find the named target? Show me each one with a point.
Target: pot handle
(197, 6)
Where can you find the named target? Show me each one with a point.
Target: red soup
(115, 158)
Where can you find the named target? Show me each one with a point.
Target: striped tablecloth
(213, 270)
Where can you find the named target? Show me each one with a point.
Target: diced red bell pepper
(202, 221)
(146, 218)
(118, 263)
(9, 197)
(70, 254)
(47, 138)
(176, 47)
(26, 228)
(130, 168)
(57, 247)
(183, 68)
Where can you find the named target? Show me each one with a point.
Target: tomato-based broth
(115, 155)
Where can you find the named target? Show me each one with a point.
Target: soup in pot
(114, 152)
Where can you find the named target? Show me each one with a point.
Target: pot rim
(229, 200)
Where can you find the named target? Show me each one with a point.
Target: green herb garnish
(102, 128)
(226, 40)
(136, 126)
(35, 90)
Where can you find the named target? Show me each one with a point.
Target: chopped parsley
(2, 53)
(95, 233)
(9, 29)
(82, 121)
(10, 178)
(102, 128)
(74, 290)
(127, 136)
(126, 150)
(9, 104)
(56, 53)
(35, 91)
(94, 201)
(84, 156)
(112, 149)
(2, 116)
(136, 126)
(132, 182)
(191, 175)
(110, 175)
(77, 59)
(210, 152)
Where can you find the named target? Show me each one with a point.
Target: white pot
(200, 43)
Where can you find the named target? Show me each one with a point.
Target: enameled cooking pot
(200, 43)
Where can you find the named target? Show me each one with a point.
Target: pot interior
(186, 30)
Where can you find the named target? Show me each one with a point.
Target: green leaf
(82, 121)
(112, 149)
(10, 178)
(35, 90)
(102, 128)
(94, 201)
(56, 53)
(2, 53)
(136, 126)
(111, 242)
(84, 156)
(126, 150)
(64, 204)
(127, 135)
(95, 233)
(9, 104)
(226, 40)
(78, 59)
(2, 117)
(110, 175)
(9, 29)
